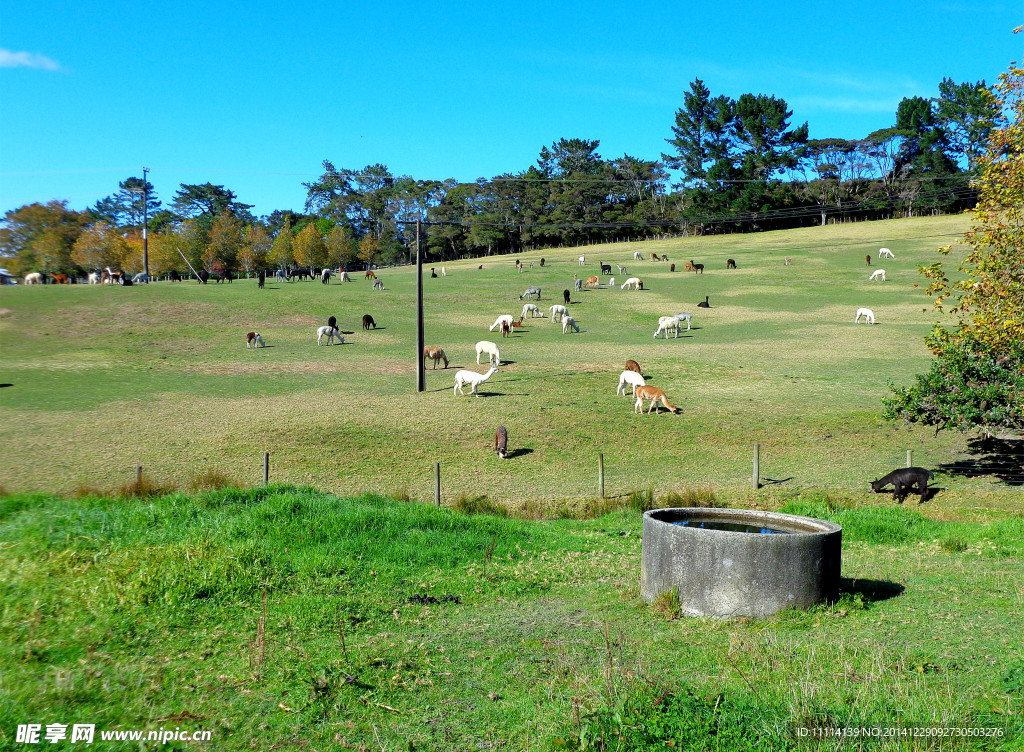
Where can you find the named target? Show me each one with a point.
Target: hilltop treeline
(730, 165)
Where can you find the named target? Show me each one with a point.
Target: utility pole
(421, 376)
(145, 222)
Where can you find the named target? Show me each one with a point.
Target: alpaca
(634, 283)
(787, 261)
(343, 276)
(369, 275)
(868, 258)
(583, 260)
(261, 279)
(664, 257)
(94, 278)
(654, 257)
(568, 322)
(730, 264)
(497, 323)
(332, 321)
(518, 324)
(62, 279)
(611, 281)
(867, 313)
(672, 268)
(629, 378)
(484, 346)
(666, 324)
(378, 284)
(684, 317)
(254, 340)
(472, 378)
(578, 285)
(632, 365)
(653, 394)
(435, 354)
(506, 328)
(592, 282)
(501, 442)
(697, 267)
(368, 322)
(325, 276)
(557, 312)
(565, 294)
(530, 292)
(688, 267)
(903, 480)
(35, 278)
(519, 267)
(531, 309)
(606, 268)
(637, 256)
(622, 269)
(704, 303)
(444, 272)
(885, 253)
(877, 274)
(331, 333)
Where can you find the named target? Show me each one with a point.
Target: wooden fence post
(266, 468)
(437, 483)
(910, 458)
(757, 466)
(600, 475)
(138, 475)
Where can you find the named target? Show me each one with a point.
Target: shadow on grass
(3, 385)
(871, 591)
(997, 458)
(519, 453)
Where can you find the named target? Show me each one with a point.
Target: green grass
(103, 379)
(284, 617)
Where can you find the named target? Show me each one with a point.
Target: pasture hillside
(99, 379)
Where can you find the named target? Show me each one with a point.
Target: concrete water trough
(739, 562)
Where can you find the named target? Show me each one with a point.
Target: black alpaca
(565, 294)
(705, 303)
(903, 481)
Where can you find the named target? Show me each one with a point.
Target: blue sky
(256, 99)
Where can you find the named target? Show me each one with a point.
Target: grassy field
(102, 379)
(284, 618)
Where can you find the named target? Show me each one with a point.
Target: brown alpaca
(518, 324)
(632, 365)
(653, 394)
(368, 322)
(868, 257)
(435, 354)
(592, 282)
(654, 257)
(501, 442)
(505, 329)
(370, 275)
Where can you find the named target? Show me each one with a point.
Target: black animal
(204, 276)
(606, 269)
(368, 322)
(672, 268)
(697, 267)
(868, 257)
(903, 481)
(174, 276)
(501, 442)
(262, 278)
(565, 294)
(542, 262)
(730, 264)
(433, 274)
(332, 321)
(705, 303)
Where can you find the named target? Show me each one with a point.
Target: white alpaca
(867, 313)
(444, 272)
(622, 269)
(878, 274)
(611, 282)
(578, 284)
(506, 318)
(343, 276)
(637, 256)
(632, 282)
(94, 278)
(583, 260)
(557, 312)
(568, 322)
(681, 317)
(483, 346)
(35, 278)
(472, 378)
(254, 340)
(531, 309)
(331, 332)
(631, 378)
(667, 324)
(885, 253)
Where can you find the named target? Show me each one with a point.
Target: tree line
(732, 165)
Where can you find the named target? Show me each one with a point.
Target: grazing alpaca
(903, 480)
(578, 285)
(704, 303)
(730, 264)
(867, 313)
(556, 312)
(332, 321)
(688, 267)
(472, 378)
(530, 292)
(868, 258)
(325, 276)
(654, 257)
(506, 328)
(667, 324)
(35, 278)
(519, 324)
(497, 323)
(697, 267)
(378, 284)
(565, 294)
(501, 442)
(664, 257)
(637, 256)
(877, 274)
(611, 281)
(632, 365)
(629, 378)
(369, 275)
(281, 276)
(60, 279)
(436, 354)
(653, 394)
(568, 322)
(681, 317)
(331, 332)
(531, 309)
(484, 346)
(343, 276)
(788, 261)
(583, 260)
(592, 282)
(885, 253)
(368, 322)
(254, 340)
(634, 283)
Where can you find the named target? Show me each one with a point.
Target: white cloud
(9, 59)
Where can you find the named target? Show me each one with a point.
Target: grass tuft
(140, 488)
(211, 480)
(478, 505)
(667, 604)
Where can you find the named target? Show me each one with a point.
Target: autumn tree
(977, 377)
(100, 246)
(341, 248)
(255, 250)
(39, 237)
(308, 246)
(224, 242)
(281, 252)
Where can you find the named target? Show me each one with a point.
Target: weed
(640, 500)
(703, 496)
(953, 544)
(667, 604)
(478, 505)
(142, 487)
(211, 480)
(401, 495)
(84, 491)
